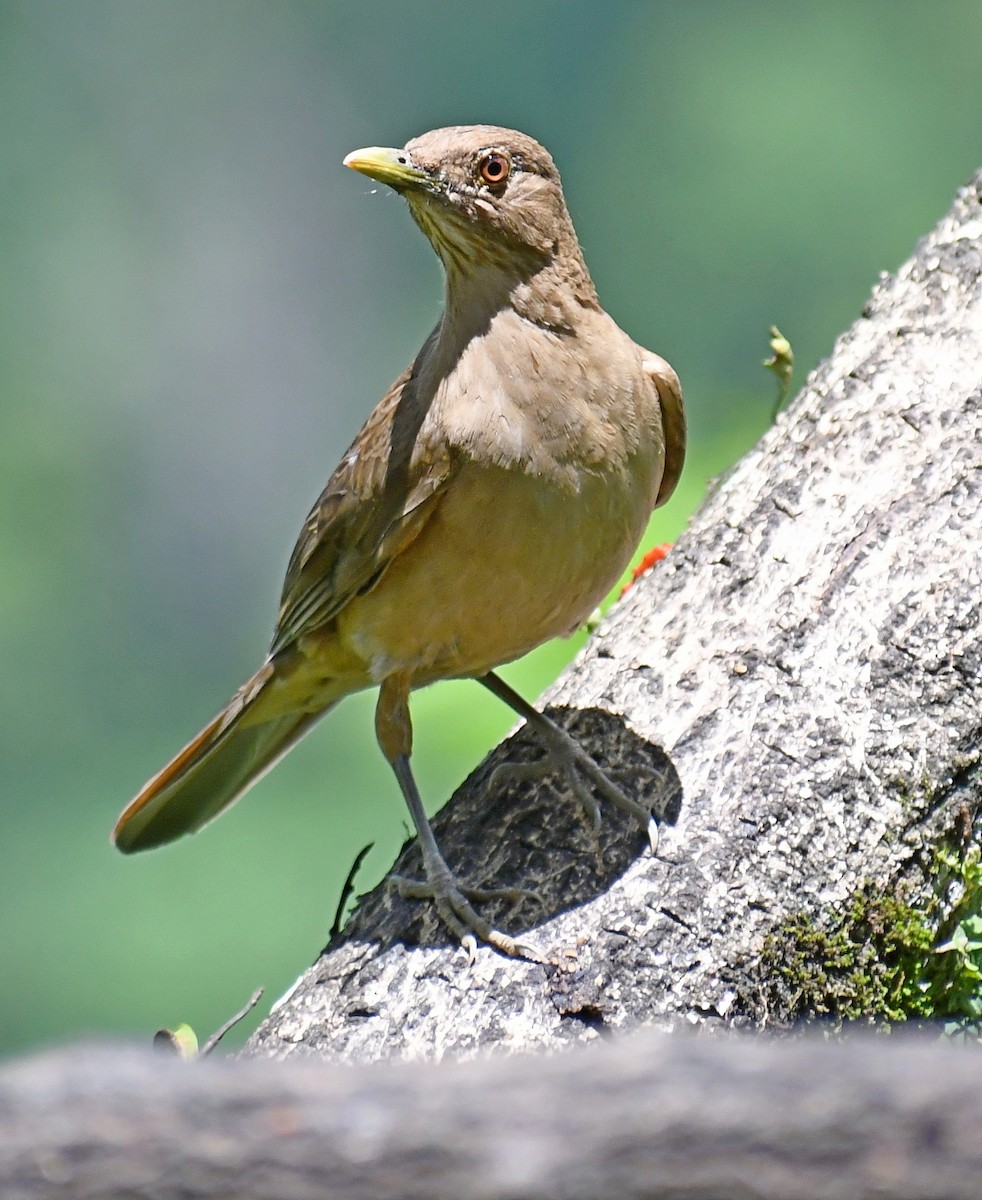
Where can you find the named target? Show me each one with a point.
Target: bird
(490, 501)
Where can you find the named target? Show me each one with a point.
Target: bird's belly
(506, 562)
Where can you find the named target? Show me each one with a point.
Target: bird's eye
(495, 169)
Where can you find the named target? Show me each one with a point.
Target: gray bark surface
(647, 1116)
(801, 680)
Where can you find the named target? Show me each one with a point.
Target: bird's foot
(453, 903)
(585, 778)
(450, 898)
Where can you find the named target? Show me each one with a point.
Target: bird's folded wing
(672, 419)
(373, 507)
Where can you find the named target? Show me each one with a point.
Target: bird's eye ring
(495, 168)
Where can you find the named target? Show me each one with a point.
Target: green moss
(883, 959)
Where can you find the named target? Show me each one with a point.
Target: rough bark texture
(642, 1117)
(801, 676)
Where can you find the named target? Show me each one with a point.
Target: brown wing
(672, 419)
(372, 508)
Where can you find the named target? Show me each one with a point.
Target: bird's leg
(565, 755)
(452, 900)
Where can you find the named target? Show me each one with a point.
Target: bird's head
(484, 196)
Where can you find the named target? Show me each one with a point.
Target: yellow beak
(389, 166)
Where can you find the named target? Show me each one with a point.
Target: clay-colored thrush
(490, 501)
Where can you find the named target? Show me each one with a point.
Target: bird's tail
(233, 751)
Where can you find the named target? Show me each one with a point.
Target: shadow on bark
(530, 834)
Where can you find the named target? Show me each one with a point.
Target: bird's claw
(453, 905)
(565, 757)
(513, 771)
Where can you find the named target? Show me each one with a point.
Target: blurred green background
(198, 307)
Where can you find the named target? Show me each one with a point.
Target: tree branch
(800, 685)
(647, 1116)
(802, 672)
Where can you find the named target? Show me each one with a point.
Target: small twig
(219, 1033)
(346, 890)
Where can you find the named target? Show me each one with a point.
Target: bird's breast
(557, 451)
(508, 560)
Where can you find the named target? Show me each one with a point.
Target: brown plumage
(489, 502)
